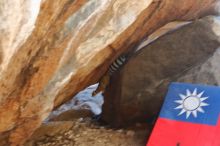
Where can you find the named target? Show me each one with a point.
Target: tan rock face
(50, 49)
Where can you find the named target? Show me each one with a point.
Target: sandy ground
(85, 132)
(71, 125)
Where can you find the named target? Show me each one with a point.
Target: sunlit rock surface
(50, 50)
(188, 54)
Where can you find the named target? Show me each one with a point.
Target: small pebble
(130, 133)
(138, 125)
(80, 120)
(120, 131)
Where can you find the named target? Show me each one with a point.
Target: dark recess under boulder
(136, 92)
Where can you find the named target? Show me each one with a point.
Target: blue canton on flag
(192, 103)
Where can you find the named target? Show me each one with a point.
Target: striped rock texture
(51, 49)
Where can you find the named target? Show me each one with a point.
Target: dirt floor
(68, 126)
(85, 132)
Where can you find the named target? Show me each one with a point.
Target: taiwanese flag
(189, 117)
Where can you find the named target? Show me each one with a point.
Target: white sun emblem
(191, 103)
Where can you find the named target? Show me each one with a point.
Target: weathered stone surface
(50, 50)
(50, 129)
(136, 92)
(72, 114)
(206, 73)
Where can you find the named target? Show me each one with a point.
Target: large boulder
(52, 49)
(137, 91)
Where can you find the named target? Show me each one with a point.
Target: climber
(104, 81)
